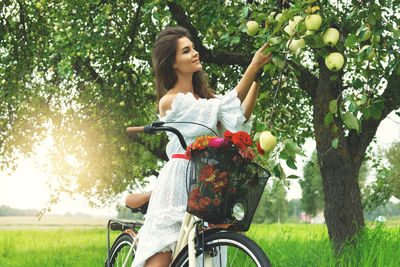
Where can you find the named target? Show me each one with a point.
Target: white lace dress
(168, 199)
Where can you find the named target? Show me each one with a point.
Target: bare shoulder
(166, 103)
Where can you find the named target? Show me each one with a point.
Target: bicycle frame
(187, 236)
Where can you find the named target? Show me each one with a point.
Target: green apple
(296, 44)
(334, 61)
(278, 16)
(290, 29)
(308, 32)
(313, 22)
(275, 40)
(330, 36)
(364, 33)
(267, 141)
(272, 15)
(252, 27)
(278, 62)
(297, 19)
(371, 54)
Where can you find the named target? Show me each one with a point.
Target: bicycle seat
(142, 209)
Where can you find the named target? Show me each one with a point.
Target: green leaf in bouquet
(292, 176)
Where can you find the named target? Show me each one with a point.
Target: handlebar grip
(132, 130)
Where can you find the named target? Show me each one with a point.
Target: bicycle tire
(241, 251)
(119, 250)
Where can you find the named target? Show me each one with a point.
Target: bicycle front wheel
(227, 249)
(120, 250)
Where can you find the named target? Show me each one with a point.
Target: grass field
(83, 242)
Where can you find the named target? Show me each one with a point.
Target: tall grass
(308, 245)
(285, 245)
(32, 248)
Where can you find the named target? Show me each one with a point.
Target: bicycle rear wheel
(227, 249)
(120, 249)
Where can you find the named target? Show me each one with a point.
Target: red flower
(260, 150)
(206, 171)
(242, 139)
(228, 135)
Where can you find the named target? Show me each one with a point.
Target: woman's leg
(136, 200)
(161, 259)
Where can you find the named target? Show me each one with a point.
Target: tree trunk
(339, 166)
(343, 209)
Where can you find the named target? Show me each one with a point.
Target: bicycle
(199, 243)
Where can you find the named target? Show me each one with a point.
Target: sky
(26, 188)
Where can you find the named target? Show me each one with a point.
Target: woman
(184, 96)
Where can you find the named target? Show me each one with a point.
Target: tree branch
(157, 151)
(391, 99)
(306, 80)
(134, 24)
(221, 58)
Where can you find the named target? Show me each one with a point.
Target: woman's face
(187, 59)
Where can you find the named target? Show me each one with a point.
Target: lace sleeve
(186, 108)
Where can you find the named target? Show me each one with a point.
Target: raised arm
(250, 101)
(258, 61)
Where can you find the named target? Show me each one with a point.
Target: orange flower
(207, 201)
(202, 142)
(216, 202)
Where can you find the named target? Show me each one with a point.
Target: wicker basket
(223, 187)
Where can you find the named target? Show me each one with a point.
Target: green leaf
(350, 121)
(375, 112)
(245, 12)
(283, 155)
(351, 40)
(261, 127)
(335, 142)
(328, 118)
(371, 19)
(333, 77)
(276, 171)
(292, 148)
(235, 40)
(351, 14)
(292, 176)
(290, 163)
(396, 34)
(333, 106)
(366, 112)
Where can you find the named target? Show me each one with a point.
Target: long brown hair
(163, 59)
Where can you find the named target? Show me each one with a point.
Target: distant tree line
(8, 211)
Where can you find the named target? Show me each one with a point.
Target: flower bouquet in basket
(224, 183)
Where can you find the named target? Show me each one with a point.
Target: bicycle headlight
(238, 211)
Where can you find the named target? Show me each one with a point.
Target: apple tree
(344, 55)
(79, 72)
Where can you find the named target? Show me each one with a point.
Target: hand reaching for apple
(260, 58)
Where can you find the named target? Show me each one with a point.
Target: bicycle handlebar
(157, 126)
